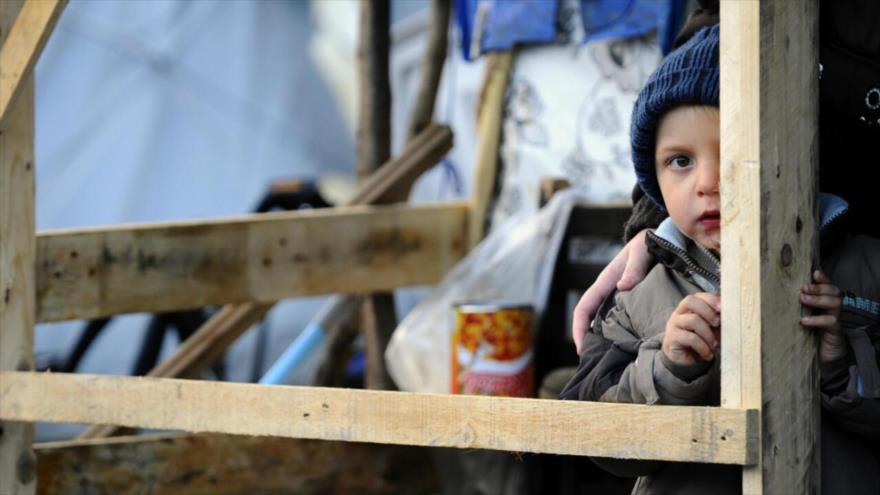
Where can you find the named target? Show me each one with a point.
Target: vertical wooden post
(769, 153)
(378, 318)
(17, 249)
(491, 113)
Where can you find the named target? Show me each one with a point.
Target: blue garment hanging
(496, 25)
(604, 19)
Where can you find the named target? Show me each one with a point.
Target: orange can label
(492, 350)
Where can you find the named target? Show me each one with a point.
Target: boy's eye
(679, 161)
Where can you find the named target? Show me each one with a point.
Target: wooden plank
(89, 273)
(202, 349)
(231, 464)
(769, 95)
(17, 462)
(699, 434)
(23, 45)
(224, 327)
(498, 67)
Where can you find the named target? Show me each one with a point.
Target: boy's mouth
(710, 219)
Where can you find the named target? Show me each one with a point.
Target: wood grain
(231, 464)
(769, 95)
(699, 434)
(23, 44)
(89, 273)
(498, 68)
(17, 462)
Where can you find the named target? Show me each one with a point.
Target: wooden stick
(693, 434)
(23, 46)
(498, 67)
(390, 184)
(432, 67)
(769, 95)
(374, 113)
(378, 316)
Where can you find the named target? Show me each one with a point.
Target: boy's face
(687, 160)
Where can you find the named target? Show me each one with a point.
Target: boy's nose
(708, 177)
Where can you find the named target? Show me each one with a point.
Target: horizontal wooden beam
(95, 272)
(22, 47)
(231, 464)
(694, 434)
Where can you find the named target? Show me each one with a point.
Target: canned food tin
(492, 350)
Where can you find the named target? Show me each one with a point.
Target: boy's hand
(693, 331)
(825, 297)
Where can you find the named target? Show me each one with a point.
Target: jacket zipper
(682, 254)
(833, 219)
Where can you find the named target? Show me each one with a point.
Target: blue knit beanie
(687, 76)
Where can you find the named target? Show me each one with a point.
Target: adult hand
(693, 330)
(625, 271)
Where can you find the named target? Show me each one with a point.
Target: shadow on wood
(230, 464)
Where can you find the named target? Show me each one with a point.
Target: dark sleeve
(850, 386)
(645, 215)
(601, 364)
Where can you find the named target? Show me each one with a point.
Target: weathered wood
(378, 321)
(391, 182)
(769, 94)
(498, 66)
(89, 273)
(378, 316)
(199, 351)
(700, 434)
(17, 463)
(231, 464)
(224, 327)
(22, 46)
(374, 87)
(432, 67)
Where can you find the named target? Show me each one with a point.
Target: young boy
(659, 343)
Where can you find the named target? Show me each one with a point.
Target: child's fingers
(699, 306)
(696, 324)
(820, 278)
(820, 289)
(689, 340)
(831, 303)
(711, 299)
(819, 321)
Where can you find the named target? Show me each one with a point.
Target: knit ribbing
(687, 76)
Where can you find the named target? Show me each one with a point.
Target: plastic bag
(506, 266)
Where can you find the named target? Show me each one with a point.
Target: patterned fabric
(567, 112)
(689, 75)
